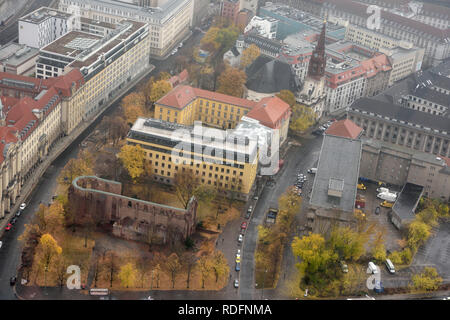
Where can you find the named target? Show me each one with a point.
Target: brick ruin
(101, 201)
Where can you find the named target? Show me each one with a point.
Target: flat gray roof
(338, 167)
(15, 54)
(407, 201)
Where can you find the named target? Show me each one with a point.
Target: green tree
(347, 243)
(159, 89)
(418, 233)
(428, 280)
(128, 275)
(428, 216)
(133, 158)
(287, 96)
(303, 117)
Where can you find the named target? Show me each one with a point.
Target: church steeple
(316, 68)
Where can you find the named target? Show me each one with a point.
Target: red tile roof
(7, 135)
(270, 111)
(377, 63)
(344, 128)
(447, 161)
(182, 95)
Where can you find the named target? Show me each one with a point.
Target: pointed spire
(316, 68)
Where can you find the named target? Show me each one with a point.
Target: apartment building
(434, 40)
(107, 63)
(44, 25)
(266, 27)
(229, 9)
(220, 160)
(30, 124)
(168, 21)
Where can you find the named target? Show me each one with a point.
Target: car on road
(236, 283)
(386, 204)
(174, 51)
(238, 253)
(361, 186)
(23, 206)
(255, 198)
(238, 259)
(312, 170)
(240, 238)
(12, 281)
(18, 213)
(377, 210)
(8, 227)
(180, 45)
(13, 221)
(238, 266)
(344, 267)
(248, 214)
(244, 225)
(1, 244)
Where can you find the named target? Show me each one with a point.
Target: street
(11, 250)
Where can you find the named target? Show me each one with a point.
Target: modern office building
(44, 25)
(168, 21)
(219, 159)
(107, 63)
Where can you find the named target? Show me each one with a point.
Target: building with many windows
(168, 21)
(44, 25)
(107, 63)
(219, 159)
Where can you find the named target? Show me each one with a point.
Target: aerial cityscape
(225, 150)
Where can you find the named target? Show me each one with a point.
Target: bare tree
(173, 267)
(188, 260)
(186, 184)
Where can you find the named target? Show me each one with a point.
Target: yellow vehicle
(386, 204)
(361, 186)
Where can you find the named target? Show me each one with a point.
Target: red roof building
(344, 128)
(271, 112)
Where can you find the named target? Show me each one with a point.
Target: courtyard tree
(418, 233)
(205, 268)
(302, 118)
(80, 166)
(219, 265)
(142, 265)
(173, 267)
(128, 275)
(60, 267)
(47, 250)
(189, 260)
(347, 243)
(133, 106)
(249, 55)
(287, 96)
(231, 82)
(159, 89)
(428, 280)
(186, 185)
(133, 158)
(111, 267)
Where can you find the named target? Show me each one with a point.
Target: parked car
(8, 227)
(23, 206)
(236, 283)
(373, 268)
(240, 238)
(12, 281)
(389, 266)
(13, 221)
(377, 210)
(386, 204)
(248, 214)
(238, 259)
(244, 225)
(361, 186)
(312, 170)
(238, 253)
(1, 244)
(18, 213)
(255, 198)
(238, 266)
(344, 267)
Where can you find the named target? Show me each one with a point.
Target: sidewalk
(60, 146)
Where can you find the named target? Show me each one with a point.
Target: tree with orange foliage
(232, 81)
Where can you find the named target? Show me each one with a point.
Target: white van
(373, 268)
(312, 170)
(389, 266)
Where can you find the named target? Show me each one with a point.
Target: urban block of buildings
(169, 21)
